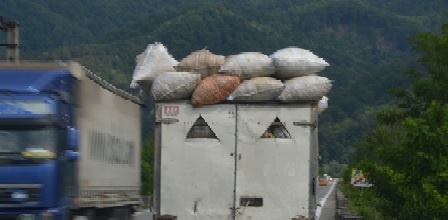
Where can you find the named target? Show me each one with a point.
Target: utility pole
(12, 46)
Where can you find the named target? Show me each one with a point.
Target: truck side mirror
(71, 155)
(72, 138)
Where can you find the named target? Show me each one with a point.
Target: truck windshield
(28, 143)
(17, 107)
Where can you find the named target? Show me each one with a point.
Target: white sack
(305, 88)
(154, 60)
(248, 65)
(322, 105)
(174, 85)
(258, 89)
(293, 62)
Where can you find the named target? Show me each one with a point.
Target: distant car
(323, 181)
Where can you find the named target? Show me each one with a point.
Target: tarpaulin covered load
(248, 65)
(214, 89)
(154, 61)
(305, 88)
(258, 89)
(293, 62)
(202, 61)
(174, 85)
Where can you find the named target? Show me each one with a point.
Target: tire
(87, 213)
(121, 213)
(90, 214)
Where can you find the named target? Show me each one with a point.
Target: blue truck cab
(39, 144)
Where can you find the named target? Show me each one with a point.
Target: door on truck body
(197, 166)
(273, 179)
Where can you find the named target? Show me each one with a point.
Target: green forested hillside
(406, 155)
(363, 40)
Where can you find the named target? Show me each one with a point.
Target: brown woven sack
(202, 61)
(214, 89)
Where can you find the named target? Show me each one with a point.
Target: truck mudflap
(301, 218)
(164, 217)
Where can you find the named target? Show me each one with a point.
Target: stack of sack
(288, 75)
(213, 86)
(155, 74)
(298, 68)
(262, 76)
(256, 70)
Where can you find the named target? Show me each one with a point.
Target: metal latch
(305, 123)
(167, 120)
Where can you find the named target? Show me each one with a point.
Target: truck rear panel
(196, 167)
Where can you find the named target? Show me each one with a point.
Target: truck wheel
(89, 214)
(122, 213)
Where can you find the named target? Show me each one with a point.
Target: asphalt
(327, 198)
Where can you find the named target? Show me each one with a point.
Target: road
(326, 197)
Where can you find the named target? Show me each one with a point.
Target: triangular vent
(200, 129)
(276, 130)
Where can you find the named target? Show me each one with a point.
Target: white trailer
(236, 161)
(109, 124)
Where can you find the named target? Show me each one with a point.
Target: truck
(69, 144)
(235, 160)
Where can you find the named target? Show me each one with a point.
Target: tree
(147, 166)
(406, 153)
(431, 76)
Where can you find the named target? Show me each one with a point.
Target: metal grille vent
(7, 198)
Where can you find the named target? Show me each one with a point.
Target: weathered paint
(197, 176)
(275, 169)
(110, 141)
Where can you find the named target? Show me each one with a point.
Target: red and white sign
(359, 179)
(170, 110)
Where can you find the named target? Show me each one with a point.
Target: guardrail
(342, 211)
